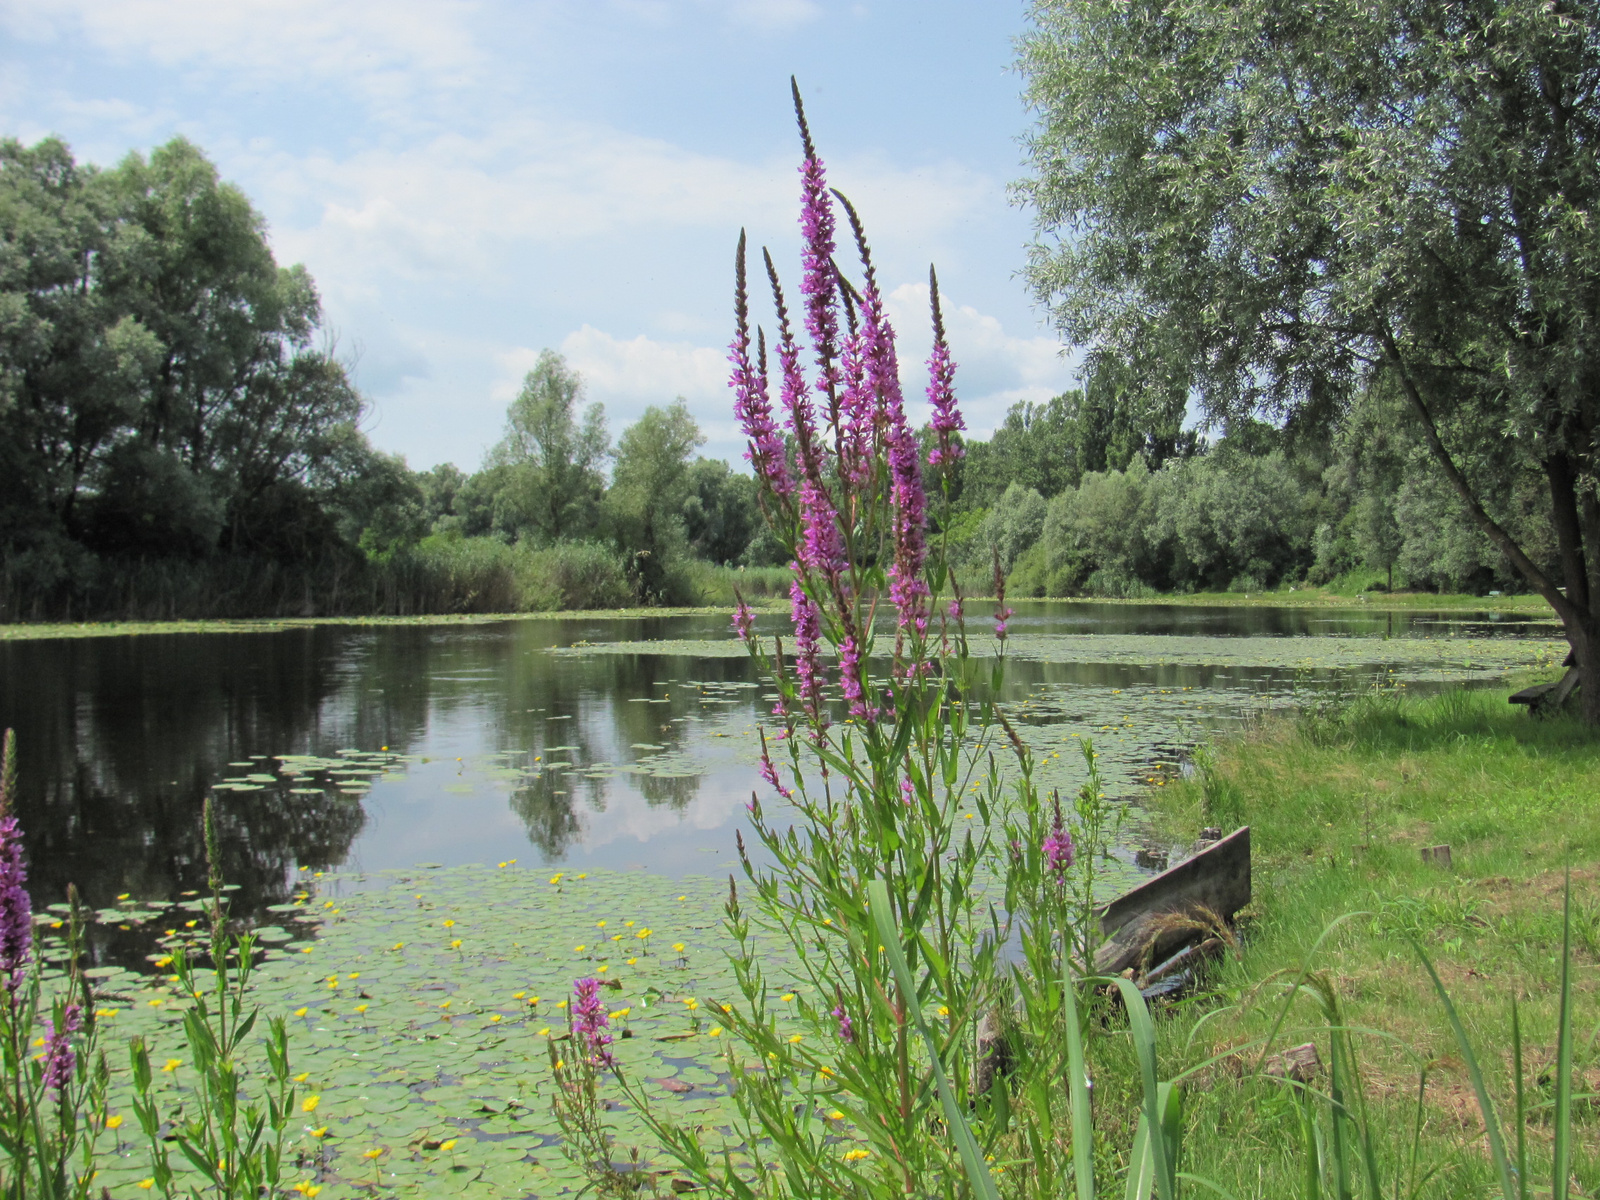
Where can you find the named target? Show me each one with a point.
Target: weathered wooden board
(1217, 880)
(1547, 697)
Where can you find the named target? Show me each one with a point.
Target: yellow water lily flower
(310, 1104)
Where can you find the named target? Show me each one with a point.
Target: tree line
(182, 438)
(1067, 511)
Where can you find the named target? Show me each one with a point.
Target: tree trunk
(1573, 603)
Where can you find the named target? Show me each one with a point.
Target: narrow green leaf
(1078, 1093)
(1491, 1123)
(971, 1157)
(1559, 1186)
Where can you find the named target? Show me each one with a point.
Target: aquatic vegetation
(898, 858)
(53, 1087)
(232, 1124)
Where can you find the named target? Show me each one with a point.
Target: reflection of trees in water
(674, 793)
(549, 818)
(599, 692)
(120, 740)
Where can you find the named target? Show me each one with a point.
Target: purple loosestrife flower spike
(1057, 847)
(847, 1029)
(850, 676)
(58, 1054)
(807, 666)
(16, 911)
(751, 403)
(820, 285)
(907, 589)
(796, 398)
(744, 621)
(941, 389)
(821, 546)
(867, 406)
(769, 771)
(589, 1022)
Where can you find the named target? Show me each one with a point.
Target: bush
(572, 575)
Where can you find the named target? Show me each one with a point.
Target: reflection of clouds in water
(631, 816)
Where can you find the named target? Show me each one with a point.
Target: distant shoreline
(1304, 598)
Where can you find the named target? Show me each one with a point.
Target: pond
(589, 743)
(386, 791)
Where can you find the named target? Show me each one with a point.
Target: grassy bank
(1340, 804)
(1309, 597)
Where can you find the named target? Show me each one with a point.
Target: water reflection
(617, 759)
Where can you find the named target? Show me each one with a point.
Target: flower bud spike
(860, 234)
(800, 117)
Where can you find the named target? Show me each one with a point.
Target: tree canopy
(1278, 204)
(160, 386)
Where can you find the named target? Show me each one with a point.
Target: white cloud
(643, 369)
(994, 368)
(458, 204)
(380, 47)
(775, 15)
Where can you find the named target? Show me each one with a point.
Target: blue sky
(470, 183)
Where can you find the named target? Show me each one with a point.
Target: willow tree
(1281, 201)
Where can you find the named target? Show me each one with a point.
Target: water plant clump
(912, 861)
(53, 1086)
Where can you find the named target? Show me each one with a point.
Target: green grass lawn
(1340, 804)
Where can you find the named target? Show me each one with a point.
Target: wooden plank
(1216, 879)
(1547, 697)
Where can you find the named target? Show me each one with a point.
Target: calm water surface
(654, 749)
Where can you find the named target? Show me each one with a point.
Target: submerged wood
(1140, 925)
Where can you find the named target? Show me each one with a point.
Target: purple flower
(908, 793)
(796, 398)
(744, 621)
(769, 772)
(58, 1054)
(907, 589)
(751, 403)
(850, 676)
(847, 1029)
(807, 634)
(1057, 847)
(821, 547)
(820, 285)
(589, 1022)
(16, 911)
(1001, 616)
(941, 388)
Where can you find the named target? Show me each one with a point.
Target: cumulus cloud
(995, 368)
(381, 47)
(456, 203)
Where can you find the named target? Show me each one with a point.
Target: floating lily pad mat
(1411, 657)
(421, 1010)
